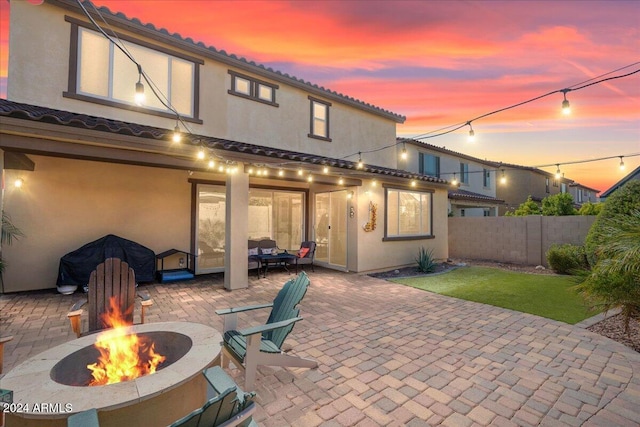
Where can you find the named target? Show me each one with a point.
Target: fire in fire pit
(123, 356)
(120, 355)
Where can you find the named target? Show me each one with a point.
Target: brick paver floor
(390, 355)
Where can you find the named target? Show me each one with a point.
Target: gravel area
(612, 327)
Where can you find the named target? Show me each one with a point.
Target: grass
(543, 295)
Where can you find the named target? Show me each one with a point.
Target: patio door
(210, 228)
(331, 210)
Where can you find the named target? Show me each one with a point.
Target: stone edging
(597, 318)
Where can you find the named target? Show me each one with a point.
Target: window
(555, 182)
(486, 173)
(462, 212)
(563, 187)
(101, 73)
(486, 212)
(546, 184)
(319, 119)
(464, 173)
(278, 215)
(429, 165)
(408, 214)
(252, 88)
(580, 196)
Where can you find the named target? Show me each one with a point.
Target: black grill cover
(76, 267)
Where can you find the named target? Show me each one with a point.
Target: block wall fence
(518, 240)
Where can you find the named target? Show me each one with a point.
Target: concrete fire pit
(49, 387)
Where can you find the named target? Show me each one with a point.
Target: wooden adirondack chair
(227, 406)
(262, 345)
(115, 278)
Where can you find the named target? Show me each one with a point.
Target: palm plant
(9, 233)
(615, 279)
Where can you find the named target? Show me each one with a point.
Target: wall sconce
(18, 183)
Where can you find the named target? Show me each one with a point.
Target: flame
(123, 355)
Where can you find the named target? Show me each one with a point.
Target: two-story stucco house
(582, 194)
(524, 181)
(262, 154)
(474, 181)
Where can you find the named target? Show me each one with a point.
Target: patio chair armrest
(225, 311)
(268, 327)
(146, 302)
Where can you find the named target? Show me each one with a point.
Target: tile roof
(221, 55)
(65, 118)
(446, 151)
(577, 184)
(471, 196)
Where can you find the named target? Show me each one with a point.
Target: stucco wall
(67, 203)
(518, 240)
(40, 41)
(375, 254)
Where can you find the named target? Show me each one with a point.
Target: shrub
(620, 204)
(558, 205)
(615, 279)
(567, 259)
(527, 208)
(589, 208)
(426, 261)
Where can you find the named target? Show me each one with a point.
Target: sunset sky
(444, 62)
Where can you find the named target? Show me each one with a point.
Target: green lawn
(543, 295)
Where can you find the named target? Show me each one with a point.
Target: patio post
(237, 231)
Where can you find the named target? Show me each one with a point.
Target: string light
(472, 134)
(360, 164)
(404, 155)
(211, 164)
(201, 154)
(503, 178)
(18, 183)
(454, 181)
(310, 178)
(325, 169)
(341, 181)
(280, 172)
(413, 182)
(177, 136)
(621, 163)
(300, 172)
(566, 108)
(558, 173)
(139, 96)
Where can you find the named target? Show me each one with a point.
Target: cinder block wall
(517, 240)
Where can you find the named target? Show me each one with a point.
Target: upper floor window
(546, 184)
(486, 173)
(408, 214)
(102, 73)
(464, 173)
(563, 187)
(252, 88)
(319, 119)
(429, 165)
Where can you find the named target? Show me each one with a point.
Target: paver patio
(390, 355)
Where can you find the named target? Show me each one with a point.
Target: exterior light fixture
(374, 183)
(566, 107)
(201, 154)
(250, 171)
(211, 164)
(310, 178)
(472, 134)
(265, 172)
(221, 168)
(177, 135)
(300, 172)
(18, 183)
(139, 96)
(621, 163)
(350, 195)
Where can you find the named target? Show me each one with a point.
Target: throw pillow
(303, 252)
(253, 251)
(268, 251)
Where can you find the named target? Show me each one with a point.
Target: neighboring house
(524, 181)
(583, 194)
(475, 191)
(635, 174)
(277, 155)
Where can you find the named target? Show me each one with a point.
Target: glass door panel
(331, 228)
(210, 234)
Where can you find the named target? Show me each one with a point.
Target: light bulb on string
(300, 172)
(325, 170)
(177, 135)
(341, 181)
(211, 164)
(360, 163)
(566, 107)
(472, 134)
(558, 173)
(280, 172)
(201, 154)
(621, 164)
(413, 182)
(404, 155)
(503, 178)
(454, 181)
(310, 178)
(139, 96)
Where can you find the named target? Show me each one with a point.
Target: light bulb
(310, 178)
(413, 183)
(360, 164)
(201, 154)
(566, 108)
(250, 171)
(341, 181)
(621, 164)
(212, 163)
(325, 169)
(472, 136)
(558, 173)
(18, 183)
(404, 154)
(139, 96)
(177, 136)
(280, 172)
(300, 172)
(503, 180)
(221, 168)
(454, 181)
(374, 183)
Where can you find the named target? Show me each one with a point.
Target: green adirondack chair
(262, 345)
(227, 406)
